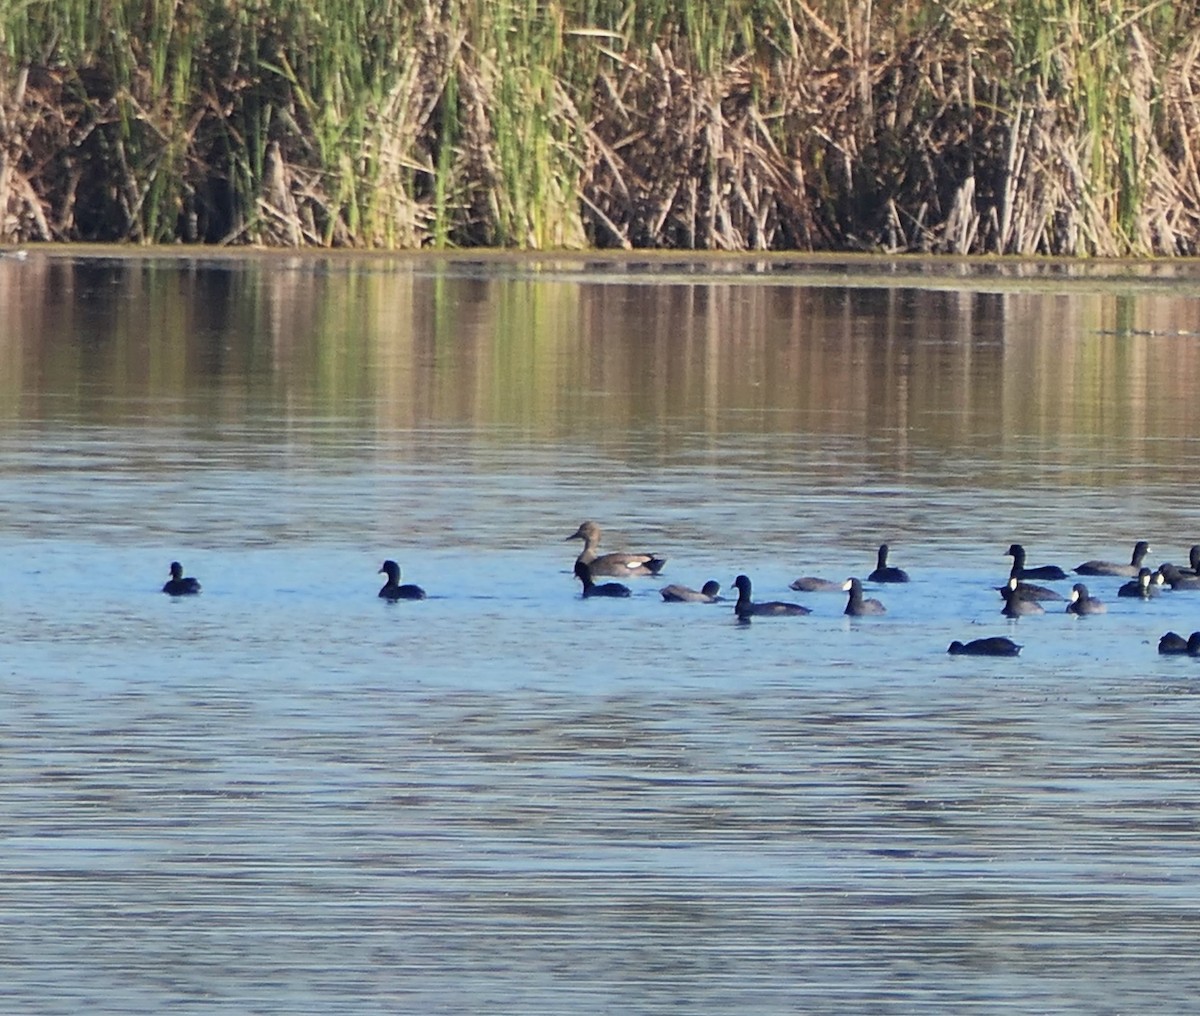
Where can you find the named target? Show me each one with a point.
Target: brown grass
(1041, 126)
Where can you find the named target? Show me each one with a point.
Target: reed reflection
(642, 367)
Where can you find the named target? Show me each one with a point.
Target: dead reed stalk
(1051, 126)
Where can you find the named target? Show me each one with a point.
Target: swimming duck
(1015, 606)
(1172, 643)
(883, 572)
(584, 573)
(178, 584)
(392, 590)
(1031, 591)
(1146, 585)
(1083, 603)
(856, 606)
(812, 584)
(616, 563)
(684, 594)
(1193, 565)
(995, 645)
(1046, 572)
(1140, 550)
(744, 608)
(1178, 580)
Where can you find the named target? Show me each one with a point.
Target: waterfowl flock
(1021, 597)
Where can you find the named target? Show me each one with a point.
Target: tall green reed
(1048, 126)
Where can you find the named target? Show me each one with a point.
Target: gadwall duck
(617, 563)
(179, 584)
(392, 589)
(1140, 550)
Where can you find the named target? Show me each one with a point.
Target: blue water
(286, 795)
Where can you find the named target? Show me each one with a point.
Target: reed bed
(1035, 126)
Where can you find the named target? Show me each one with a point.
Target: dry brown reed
(1036, 127)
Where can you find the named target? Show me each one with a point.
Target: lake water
(286, 795)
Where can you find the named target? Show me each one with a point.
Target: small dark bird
(1140, 550)
(1031, 591)
(392, 590)
(1178, 580)
(812, 584)
(996, 645)
(1193, 565)
(178, 584)
(885, 573)
(1083, 603)
(590, 588)
(1171, 643)
(1015, 606)
(1045, 572)
(1146, 585)
(684, 594)
(856, 606)
(745, 608)
(617, 563)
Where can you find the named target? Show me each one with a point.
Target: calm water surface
(288, 796)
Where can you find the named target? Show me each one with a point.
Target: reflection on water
(976, 373)
(285, 795)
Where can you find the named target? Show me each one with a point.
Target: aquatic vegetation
(1048, 126)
